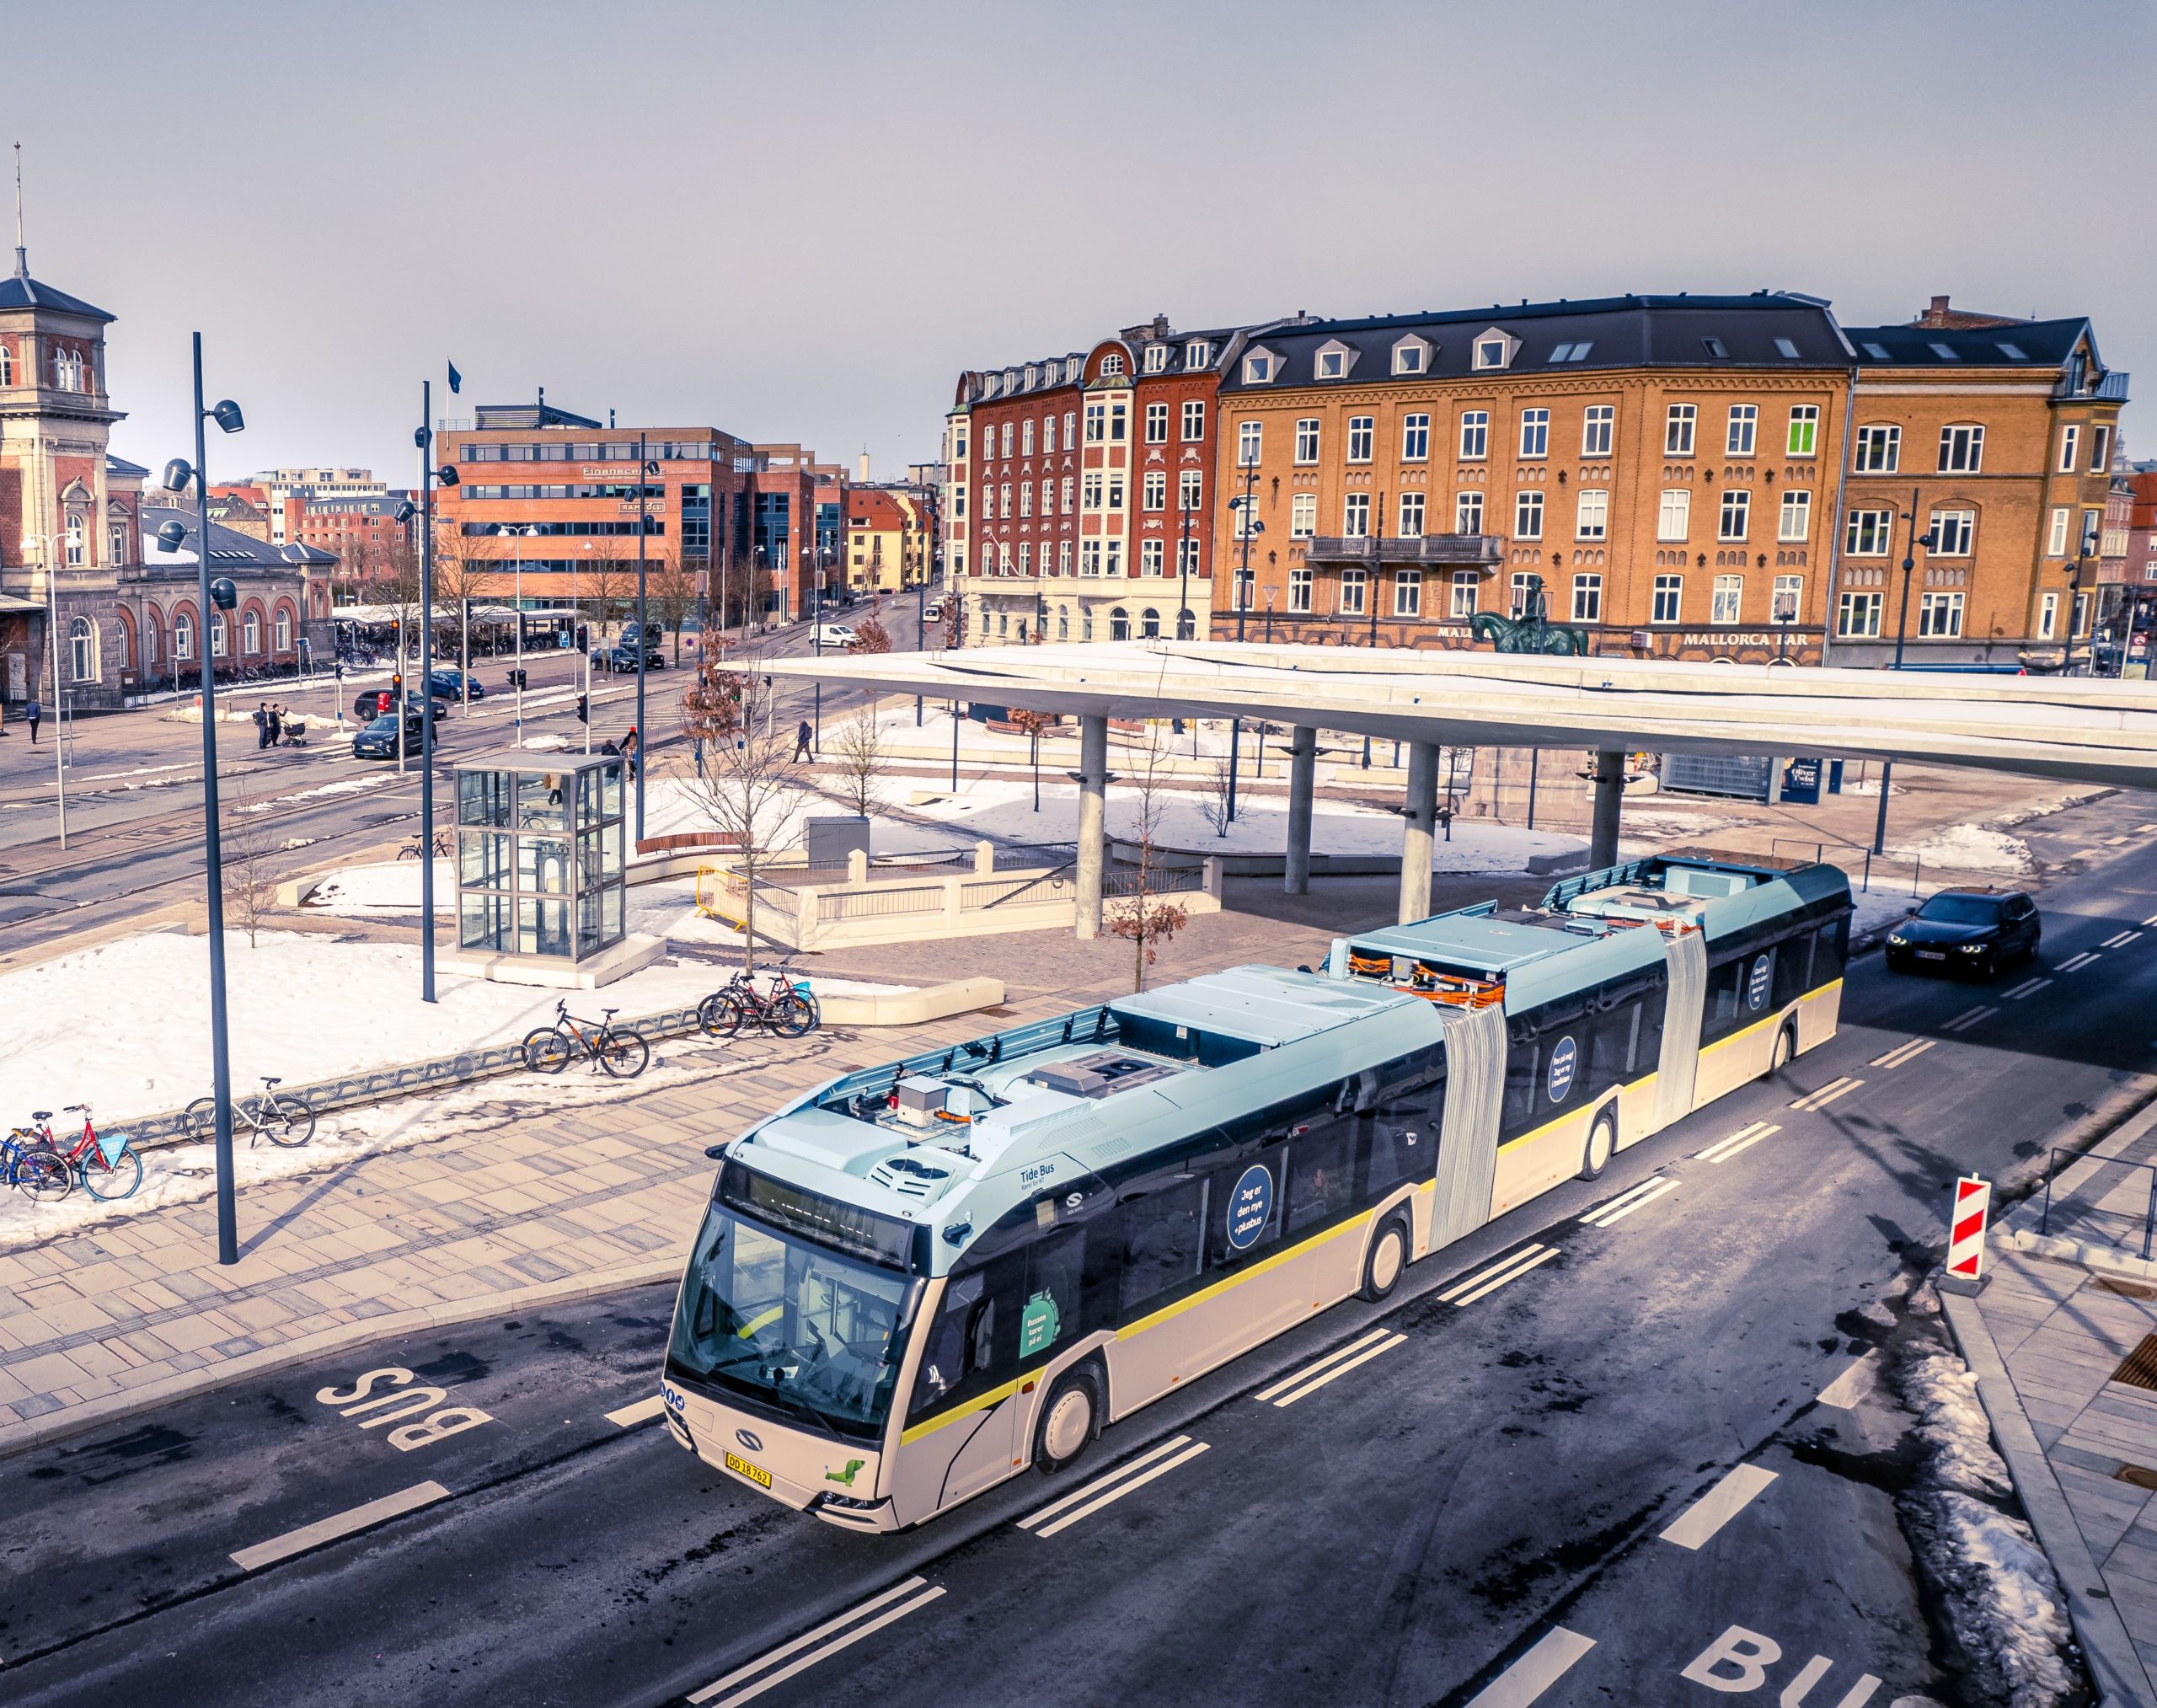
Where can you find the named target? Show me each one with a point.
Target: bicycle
(410, 851)
(621, 1053)
(786, 1008)
(29, 1164)
(104, 1163)
(285, 1119)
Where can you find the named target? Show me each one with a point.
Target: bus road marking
(1342, 1369)
(1618, 1209)
(1826, 1094)
(1857, 1381)
(2076, 965)
(1535, 1672)
(1963, 1022)
(1489, 1280)
(345, 1524)
(1124, 1483)
(2028, 987)
(1696, 1526)
(642, 1413)
(2120, 940)
(1723, 1149)
(1294, 1377)
(1904, 1053)
(928, 1593)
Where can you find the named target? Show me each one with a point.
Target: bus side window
(1321, 1171)
(1403, 1133)
(1161, 1243)
(1613, 1039)
(1647, 1049)
(1793, 968)
(1719, 1014)
(973, 1344)
(943, 1351)
(1523, 1063)
(1054, 1311)
(1830, 950)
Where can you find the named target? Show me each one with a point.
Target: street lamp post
(429, 475)
(1902, 630)
(516, 598)
(1247, 525)
(178, 474)
(45, 543)
(643, 632)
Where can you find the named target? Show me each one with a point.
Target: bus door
(961, 1422)
(1467, 1142)
(1686, 957)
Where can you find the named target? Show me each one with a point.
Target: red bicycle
(105, 1163)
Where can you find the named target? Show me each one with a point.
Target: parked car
(378, 740)
(374, 701)
(452, 684)
(834, 635)
(935, 608)
(1967, 930)
(623, 657)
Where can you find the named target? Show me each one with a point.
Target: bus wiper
(804, 1409)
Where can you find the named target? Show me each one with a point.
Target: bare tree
(740, 775)
(1138, 915)
(670, 596)
(1217, 792)
(871, 636)
(250, 889)
(602, 584)
(461, 575)
(860, 760)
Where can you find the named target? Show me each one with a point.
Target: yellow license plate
(755, 1473)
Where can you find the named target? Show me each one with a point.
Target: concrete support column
(1609, 798)
(1303, 773)
(1093, 791)
(1418, 820)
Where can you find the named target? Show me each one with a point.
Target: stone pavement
(547, 1205)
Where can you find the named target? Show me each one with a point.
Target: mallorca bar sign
(1732, 637)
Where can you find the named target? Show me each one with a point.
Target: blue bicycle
(29, 1163)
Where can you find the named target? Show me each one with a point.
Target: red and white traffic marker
(1966, 1229)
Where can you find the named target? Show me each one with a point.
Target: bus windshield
(774, 1319)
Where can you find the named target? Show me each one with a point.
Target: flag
(456, 379)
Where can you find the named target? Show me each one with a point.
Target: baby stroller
(294, 734)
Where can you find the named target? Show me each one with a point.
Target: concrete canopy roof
(2071, 728)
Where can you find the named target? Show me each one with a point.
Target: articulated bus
(923, 1278)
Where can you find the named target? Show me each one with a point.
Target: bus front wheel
(1387, 1259)
(1785, 1047)
(1602, 1140)
(1069, 1421)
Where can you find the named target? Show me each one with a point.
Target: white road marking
(1160, 1450)
(1698, 1523)
(1904, 1053)
(1826, 1094)
(1341, 1370)
(2076, 964)
(1535, 1672)
(1623, 1198)
(2028, 987)
(1962, 1023)
(2144, 829)
(2117, 841)
(2122, 940)
(1653, 1190)
(1855, 1382)
(1295, 1376)
(642, 1413)
(1510, 1260)
(928, 1594)
(1541, 1257)
(1077, 1513)
(2151, 920)
(329, 1530)
(1741, 1140)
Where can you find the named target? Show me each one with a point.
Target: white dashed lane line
(2151, 920)
(1826, 1094)
(1103, 1490)
(1963, 1022)
(1855, 1382)
(1535, 1672)
(1510, 1268)
(1330, 1368)
(642, 1413)
(2122, 940)
(1697, 1524)
(1618, 1209)
(1746, 1136)
(1904, 1053)
(2076, 964)
(346, 1523)
(2027, 988)
(842, 1632)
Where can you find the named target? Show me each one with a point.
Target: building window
(1592, 516)
(1089, 557)
(116, 540)
(284, 629)
(1093, 488)
(1154, 491)
(1198, 353)
(1669, 594)
(1097, 416)
(1299, 589)
(1857, 615)
(83, 649)
(1258, 370)
(1112, 364)
(1303, 516)
(1194, 421)
(2056, 541)
(183, 638)
(1789, 596)
(1359, 438)
(1048, 497)
(1113, 561)
(1940, 616)
(2048, 617)
(1415, 438)
(1026, 557)
(1673, 518)
(6, 366)
(1003, 558)
(1048, 437)
(1118, 422)
(1307, 440)
(2070, 446)
(1952, 531)
(1157, 424)
(1025, 498)
(1678, 430)
(1191, 490)
(1737, 512)
(1961, 450)
(1870, 533)
(1727, 600)
(219, 639)
(1026, 438)
(1250, 438)
(1156, 359)
(250, 634)
(1587, 598)
(1332, 364)
(1475, 435)
(1744, 425)
(1246, 590)
(1007, 438)
(1523, 587)
(1408, 592)
(1355, 515)
(1804, 430)
(1468, 513)
(1412, 515)
(1003, 500)
(1064, 557)
(1069, 488)
(1408, 355)
(1528, 516)
(1119, 623)
(1465, 583)
(1795, 522)
(1490, 352)
(1879, 450)
(1535, 433)
(1186, 557)
(1598, 426)
(1353, 584)
(2100, 444)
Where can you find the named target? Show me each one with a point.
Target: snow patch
(1969, 847)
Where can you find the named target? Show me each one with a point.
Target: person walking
(34, 712)
(261, 724)
(631, 750)
(277, 725)
(805, 743)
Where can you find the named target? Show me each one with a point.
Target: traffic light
(517, 678)
(584, 708)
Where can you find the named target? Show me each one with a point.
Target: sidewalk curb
(2109, 1652)
(37, 1431)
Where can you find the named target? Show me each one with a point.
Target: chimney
(861, 469)
(1938, 311)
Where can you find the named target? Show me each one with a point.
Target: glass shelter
(541, 853)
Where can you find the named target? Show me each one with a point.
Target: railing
(1886, 872)
(2084, 1213)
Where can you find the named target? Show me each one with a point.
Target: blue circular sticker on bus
(1756, 986)
(1251, 1207)
(1565, 1057)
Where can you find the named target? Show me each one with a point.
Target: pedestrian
(261, 724)
(277, 725)
(34, 712)
(630, 749)
(803, 742)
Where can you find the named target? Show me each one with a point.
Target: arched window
(6, 366)
(83, 648)
(284, 628)
(152, 645)
(1062, 622)
(1187, 624)
(1150, 624)
(183, 639)
(251, 633)
(1111, 364)
(1086, 622)
(75, 538)
(217, 636)
(1003, 625)
(1118, 624)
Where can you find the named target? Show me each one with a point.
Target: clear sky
(798, 222)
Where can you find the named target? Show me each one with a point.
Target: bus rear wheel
(1602, 1141)
(1069, 1421)
(1387, 1258)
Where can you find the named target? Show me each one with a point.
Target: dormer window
(1787, 349)
(1010, 379)
(1411, 355)
(1716, 349)
(1198, 353)
(1111, 364)
(1334, 360)
(1072, 368)
(989, 385)
(1157, 358)
(1030, 372)
(1493, 349)
(1260, 367)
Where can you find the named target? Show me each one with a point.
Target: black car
(450, 684)
(378, 740)
(1974, 931)
(624, 658)
(376, 701)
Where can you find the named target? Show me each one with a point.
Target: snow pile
(389, 886)
(1969, 847)
(2002, 1597)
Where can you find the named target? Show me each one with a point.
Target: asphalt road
(1495, 1480)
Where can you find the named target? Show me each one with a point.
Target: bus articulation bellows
(924, 1276)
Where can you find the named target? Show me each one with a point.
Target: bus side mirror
(715, 1151)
